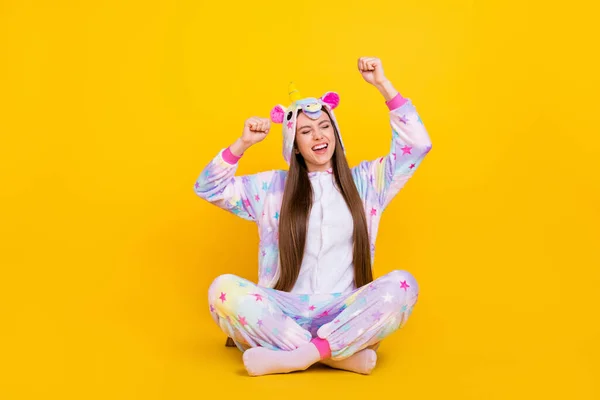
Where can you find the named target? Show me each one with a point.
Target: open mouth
(320, 148)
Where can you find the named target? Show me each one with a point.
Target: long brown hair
(295, 210)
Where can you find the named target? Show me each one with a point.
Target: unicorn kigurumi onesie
(324, 302)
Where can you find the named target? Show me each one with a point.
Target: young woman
(316, 300)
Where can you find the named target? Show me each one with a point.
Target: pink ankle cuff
(396, 102)
(323, 346)
(229, 157)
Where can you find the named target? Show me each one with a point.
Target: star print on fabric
(404, 307)
(337, 321)
(411, 166)
(419, 119)
(276, 216)
(404, 285)
(403, 119)
(380, 160)
(289, 125)
(406, 150)
(394, 154)
(246, 203)
(222, 297)
(259, 323)
(275, 331)
(265, 186)
(323, 314)
(212, 309)
(197, 185)
(373, 211)
(372, 286)
(304, 298)
(263, 253)
(377, 316)
(242, 284)
(242, 320)
(312, 308)
(257, 197)
(387, 298)
(268, 270)
(258, 296)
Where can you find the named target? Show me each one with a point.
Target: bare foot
(362, 362)
(260, 361)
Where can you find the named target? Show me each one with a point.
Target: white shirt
(327, 265)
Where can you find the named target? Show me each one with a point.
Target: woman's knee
(223, 282)
(223, 290)
(401, 281)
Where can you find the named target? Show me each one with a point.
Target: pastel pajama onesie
(324, 302)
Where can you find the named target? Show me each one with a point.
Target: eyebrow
(310, 126)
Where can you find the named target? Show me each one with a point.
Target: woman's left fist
(371, 70)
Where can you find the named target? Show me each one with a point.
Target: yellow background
(109, 110)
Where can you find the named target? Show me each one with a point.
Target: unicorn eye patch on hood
(312, 107)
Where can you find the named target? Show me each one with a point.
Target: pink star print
(404, 285)
(323, 314)
(246, 203)
(373, 211)
(289, 125)
(411, 166)
(264, 253)
(258, 296)
(257, 198)
(406, 150)
(311, 308)
(394, 154)
(337, 321)
(259, 322)
(380, 160)
(212, 309)
(403, 119)
(242, 320)
(222, 297)
(197, 185)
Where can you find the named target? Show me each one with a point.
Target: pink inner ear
(331, 98)
(277, 114)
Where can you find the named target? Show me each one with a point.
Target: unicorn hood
(311, 107)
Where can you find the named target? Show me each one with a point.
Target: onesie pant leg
(254, 316)
(370, 313)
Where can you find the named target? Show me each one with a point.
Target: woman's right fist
(255, 130)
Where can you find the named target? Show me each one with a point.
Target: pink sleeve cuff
(229, 157)
(397, 102)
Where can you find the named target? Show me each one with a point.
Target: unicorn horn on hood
(293, 92)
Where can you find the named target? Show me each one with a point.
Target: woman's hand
(255, 130)
(371, 70)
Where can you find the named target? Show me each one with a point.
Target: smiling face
(315, 141)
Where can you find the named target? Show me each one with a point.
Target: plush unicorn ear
(332, 99)
(277, 114)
